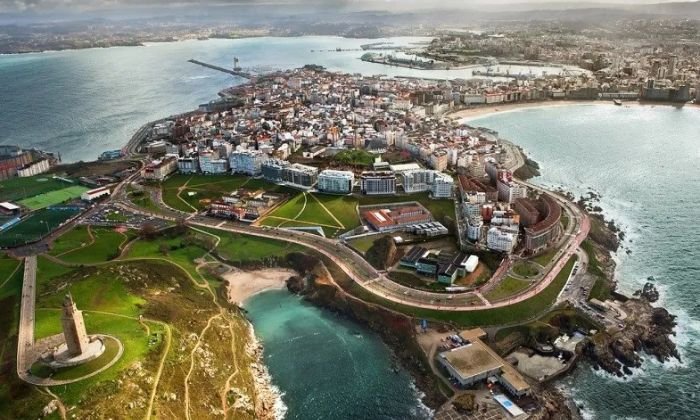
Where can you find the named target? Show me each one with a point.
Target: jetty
(234, 71)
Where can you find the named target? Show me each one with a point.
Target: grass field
(15, 189)
(525, 269)
(509, 286)
(208, 187)
(546, 257)
(74, 372)
(335, 214)
(239, 248)
(79, 247)
(53, 197)
(34, 227)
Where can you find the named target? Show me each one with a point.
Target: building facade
(336, 182)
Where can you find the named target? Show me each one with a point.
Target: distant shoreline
(483, 111)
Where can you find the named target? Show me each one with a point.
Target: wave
(421, 410)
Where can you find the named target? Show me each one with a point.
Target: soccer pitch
(53, 197)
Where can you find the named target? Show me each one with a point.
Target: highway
(25, 336)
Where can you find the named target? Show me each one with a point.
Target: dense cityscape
(131, 282)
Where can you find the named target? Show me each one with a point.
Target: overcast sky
(77, 5)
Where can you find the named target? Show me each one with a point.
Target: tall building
(74, 332)
(295, 175)
(417, 180)
(210, 163)
(247, 162)
(378, 183)
(498, 240)
(442, 186)
(335, 182)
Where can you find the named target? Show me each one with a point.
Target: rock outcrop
(648, 330)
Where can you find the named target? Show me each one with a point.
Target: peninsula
(386, 208)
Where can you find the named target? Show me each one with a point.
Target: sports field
(53, 197)
(34, 227)
(14, 189)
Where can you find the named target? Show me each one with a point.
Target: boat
(617, 102)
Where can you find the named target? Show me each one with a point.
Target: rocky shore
(647, 329)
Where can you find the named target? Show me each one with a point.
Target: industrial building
(398, 217)
(473, 362)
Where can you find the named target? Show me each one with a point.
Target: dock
(234, 72)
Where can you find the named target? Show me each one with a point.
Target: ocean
(329, 367)
(642, 160)
(80, 103)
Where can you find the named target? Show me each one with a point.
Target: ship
(617, 102)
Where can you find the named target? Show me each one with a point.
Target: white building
(474, 229)
(499, 240)
(95, 194)
(247, 162)
(210, 163)
(35, 168)
(336, 182)
(509, 191)
(442, 186)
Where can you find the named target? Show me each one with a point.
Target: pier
(234, 72)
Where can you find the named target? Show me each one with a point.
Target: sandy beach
(244, 284)
(481, 111)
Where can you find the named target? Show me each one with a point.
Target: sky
(77, 5)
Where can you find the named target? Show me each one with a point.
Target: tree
(148, 231)
(164, 248)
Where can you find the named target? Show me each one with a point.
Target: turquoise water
(328, 367)
(80, 103)
(643, 161)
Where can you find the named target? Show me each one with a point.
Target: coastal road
(25, 336)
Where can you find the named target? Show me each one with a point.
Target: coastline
(243, 285)
(466, 115)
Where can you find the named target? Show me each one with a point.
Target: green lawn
(74, 372)
(53, 197)
(364, 243)
(76, 247)
(525, 269)
(235, 247)
(205, 187)
(355, 157)
(15, 189)
(509, 286)
(99, 290)
(335, 214)
(546, 257)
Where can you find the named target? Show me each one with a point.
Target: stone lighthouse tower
(74, 328)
